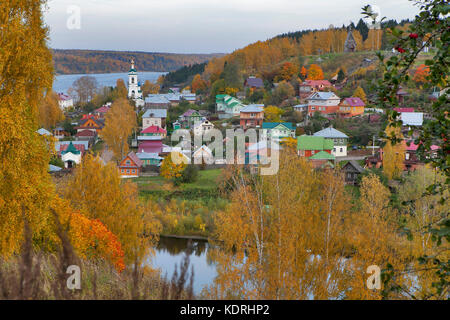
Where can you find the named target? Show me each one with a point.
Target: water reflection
(170, 252)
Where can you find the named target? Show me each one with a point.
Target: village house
(59, 133)
(203, 155)
(300, 107)
(102, 111)
(44, 132)
(324, 102)
(64, 101)
(154, 117)
(70, 155)
(157, 101)
(201, 128)
(251, 116)
(130, 166)
(351, 107)
(190, 118)
(154, 131)
(411, 119)
(278, 130)
(322, 160)
(308, 146)
(91, 123)
(352, 170)
(150, 144)
(340, 140)
(308, 87)
(253, 83)
(228, 106)
(150, 159)
(87, 135)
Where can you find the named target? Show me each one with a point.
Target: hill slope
(94, 61)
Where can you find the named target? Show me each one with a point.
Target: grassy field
(206, 183)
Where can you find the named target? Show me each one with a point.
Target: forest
(93, 61)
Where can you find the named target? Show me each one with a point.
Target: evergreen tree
(363, 29)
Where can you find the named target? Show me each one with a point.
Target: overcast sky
(199, 26)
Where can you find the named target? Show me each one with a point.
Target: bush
(190, 174)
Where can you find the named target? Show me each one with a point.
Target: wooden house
(130, 166)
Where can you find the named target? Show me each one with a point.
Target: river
(62, 83)
(171, 251)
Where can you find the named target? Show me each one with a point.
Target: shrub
(190, 174)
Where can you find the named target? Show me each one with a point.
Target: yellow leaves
(97, 190)
(393, 155)
(273, 114)
(359, 93)
(49, 111)
(119, 124)
(170, 169)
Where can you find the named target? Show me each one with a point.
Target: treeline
(183, 74)
(93, 61)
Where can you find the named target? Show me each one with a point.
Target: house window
(127, 162)
(128, 171)
(407, 156)
(341, 150)
(133, 171)
(121, 170)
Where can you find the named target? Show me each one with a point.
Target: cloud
(199, 25)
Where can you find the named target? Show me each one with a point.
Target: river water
(62, 83)
(171, 251)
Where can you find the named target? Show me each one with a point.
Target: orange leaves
(421, 74)
(198, 84)
(288, 70)
(315, 72)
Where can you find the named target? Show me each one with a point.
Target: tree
(119, 124)
(421, 75)
(190, 174)
(288, 71)
(359, 93)
(393, 155)
(85, 88)
(283, 91)
(430, 28)
(315, 72)
(150, 88)
(341, 75)
(303, 73)
(198, 85)
(26, 73)
(363, 29)
(96, 189)
(273, 114)
(122, 92)
(172, 170)
(49, 112)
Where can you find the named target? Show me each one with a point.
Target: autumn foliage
(315, 72)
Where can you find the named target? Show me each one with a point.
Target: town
(312, 165)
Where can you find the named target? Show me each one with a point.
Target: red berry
(413, 35)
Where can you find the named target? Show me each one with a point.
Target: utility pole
(373, 146)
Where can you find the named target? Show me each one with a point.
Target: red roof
(151, 146)
(86, 133)
(413, 147)
(134, 158)
(103, 109)
(154, 129)
(404, 109)
(317, 83)
(354, 102)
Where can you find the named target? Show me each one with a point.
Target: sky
(197, 26)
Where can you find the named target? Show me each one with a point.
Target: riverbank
(186, 210)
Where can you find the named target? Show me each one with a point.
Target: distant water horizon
(63, 82)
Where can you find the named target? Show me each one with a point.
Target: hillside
(93, 61)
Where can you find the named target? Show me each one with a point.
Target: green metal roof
(322, 155)
(271, 125)
(71, 148)
(132, 70)
(314, 143)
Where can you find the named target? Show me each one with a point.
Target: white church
(134, 87)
